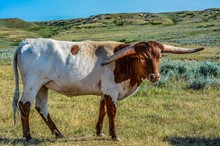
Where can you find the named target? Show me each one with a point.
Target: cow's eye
(142, 58)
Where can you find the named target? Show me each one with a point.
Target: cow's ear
(74, 49)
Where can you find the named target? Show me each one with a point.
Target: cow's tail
(16, 93)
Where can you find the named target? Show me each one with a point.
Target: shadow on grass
(21, 141)
(187, 141)
(35, 141)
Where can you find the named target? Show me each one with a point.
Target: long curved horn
(121, 53)
(179, 50)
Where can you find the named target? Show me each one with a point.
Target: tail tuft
(15, 104)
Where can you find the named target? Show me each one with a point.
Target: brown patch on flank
(25, 111)
(50, 124)
(75, 49)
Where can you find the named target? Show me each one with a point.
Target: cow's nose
(154, 77)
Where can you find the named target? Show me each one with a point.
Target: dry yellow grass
(154, 116)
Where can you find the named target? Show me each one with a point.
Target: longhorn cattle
(112, 70)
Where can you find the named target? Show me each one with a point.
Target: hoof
(28, 137)
(116, 139)
(100, 134)
(59, 136)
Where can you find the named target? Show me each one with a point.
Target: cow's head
(146, 56)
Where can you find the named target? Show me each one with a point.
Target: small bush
(203, 83)
(209, 69)
(118, 22)
(6, 56)
(198, 83)
(108, 17)
(197, 75)
(15, 43)
(178, 69)
(155, 23)
(166, 68)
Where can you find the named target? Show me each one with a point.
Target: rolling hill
(186, 28)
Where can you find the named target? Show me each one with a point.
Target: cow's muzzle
(153, 77)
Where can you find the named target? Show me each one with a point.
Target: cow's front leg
(102, 113)
(111, 111)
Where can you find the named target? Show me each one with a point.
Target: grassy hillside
(187, 28)
(13, 30)
(16, 23)
(140, 19)
(201, 19)
(195, 16)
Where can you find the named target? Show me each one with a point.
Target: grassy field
(154, 116)
(182, 109)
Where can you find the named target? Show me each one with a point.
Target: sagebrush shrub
(196, 75)
(209, 69)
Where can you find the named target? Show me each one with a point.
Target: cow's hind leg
(42, 107)
(28, 96)
(102, 113)
(25, 111)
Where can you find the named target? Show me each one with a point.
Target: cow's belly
(75, 89)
